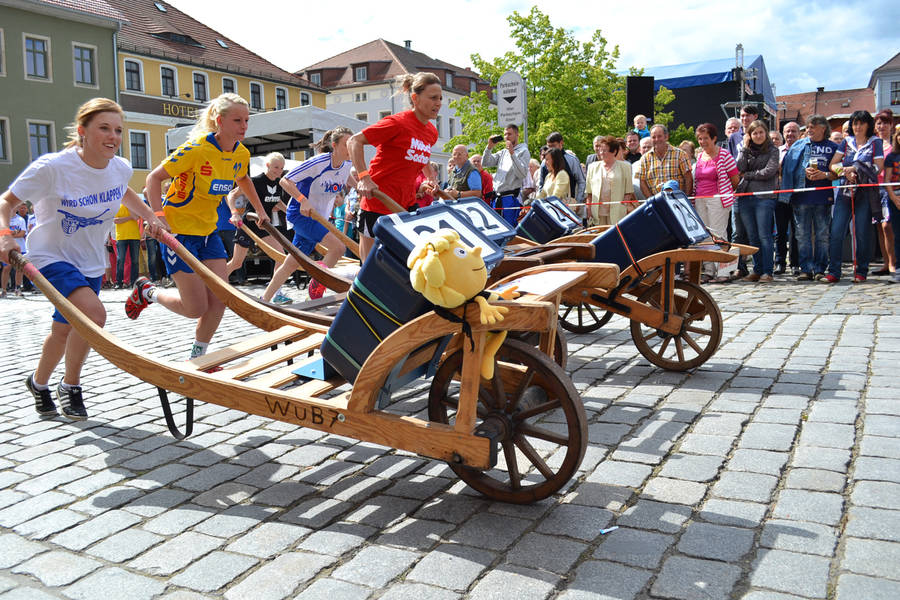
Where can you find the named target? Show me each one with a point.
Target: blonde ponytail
(206, 120)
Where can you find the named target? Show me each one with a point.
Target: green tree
(572, 87)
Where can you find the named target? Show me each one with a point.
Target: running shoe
(829, 278)
(280, 298)
(316, 290)
(71, 402)
(137, 301)
(859, 278)
(43, 400)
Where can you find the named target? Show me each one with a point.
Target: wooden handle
(388, 202)
(271, 252)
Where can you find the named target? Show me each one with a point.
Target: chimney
(407, 44)
(820, 89)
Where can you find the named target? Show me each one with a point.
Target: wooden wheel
(560, 344)
(582, 318)
(531, 409)
(700, 333)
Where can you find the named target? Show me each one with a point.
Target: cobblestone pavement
(772, 472)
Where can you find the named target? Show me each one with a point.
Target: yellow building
(170, 65)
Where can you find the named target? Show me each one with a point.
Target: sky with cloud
(804, 44)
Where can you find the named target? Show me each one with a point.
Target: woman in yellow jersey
(203, 170)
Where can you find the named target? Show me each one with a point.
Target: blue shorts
(204, 247)
(66, 279)
(307, 233)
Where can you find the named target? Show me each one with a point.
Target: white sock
(65, 386)
(149, 293)
(199, 349)
(37, 385)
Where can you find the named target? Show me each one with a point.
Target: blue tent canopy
(707, 72)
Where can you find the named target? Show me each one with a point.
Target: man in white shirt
(512, 168)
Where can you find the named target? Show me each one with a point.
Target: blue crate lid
(485, 218)
(401, 232)
(560, 212)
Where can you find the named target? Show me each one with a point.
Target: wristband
(6, 232)
(362, 173)
(160, 213)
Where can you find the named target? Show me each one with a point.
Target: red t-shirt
(487, 183)
(404, 146)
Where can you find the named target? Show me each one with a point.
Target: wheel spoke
(679, 349)
(590, 310)
(569, 308)
(543, 434)
(690, 341)
(512, 465)
(664, 345)
(536, 410)
(533, 457)
(699, 331)
(527, 376)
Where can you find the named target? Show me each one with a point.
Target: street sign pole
(512, 101)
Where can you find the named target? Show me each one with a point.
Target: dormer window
(360, 73)
(315, 79)
(448, 80)
(178, 38)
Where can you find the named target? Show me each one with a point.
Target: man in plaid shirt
(662, 163)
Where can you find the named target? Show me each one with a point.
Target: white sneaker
(280, 298)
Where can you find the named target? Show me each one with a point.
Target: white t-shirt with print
(74, 207)
(17, 223)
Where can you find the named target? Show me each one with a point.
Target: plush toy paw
(490, 314)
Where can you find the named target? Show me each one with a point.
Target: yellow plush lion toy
(449, 273)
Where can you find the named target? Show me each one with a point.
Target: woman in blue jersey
(203, 170)
(76, 194)
(313, 186)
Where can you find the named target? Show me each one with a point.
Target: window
(452, 126)
(133, 76)
(315, 79)
(40, 138)
(37, 57)
(360, 73)
(228, 85)
(281, 102)
(361, 97)
(363, 117)
(138, 142)
(448, 79)
(200, 93)
(85, 65)
(4, 140)
(304, 99)
(160, 7)
(2, 54)
(473, 87)
(895, 93)
(256, 102)
(384, 113)
(437, 123)
(221, 43)
(169, 85)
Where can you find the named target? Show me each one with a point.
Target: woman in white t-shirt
(75, 194)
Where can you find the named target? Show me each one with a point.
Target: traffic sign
(511, 102)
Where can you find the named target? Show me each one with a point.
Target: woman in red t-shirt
(403, 143)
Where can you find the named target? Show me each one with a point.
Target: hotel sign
(156, 106)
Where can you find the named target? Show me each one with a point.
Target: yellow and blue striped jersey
(202, 174)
